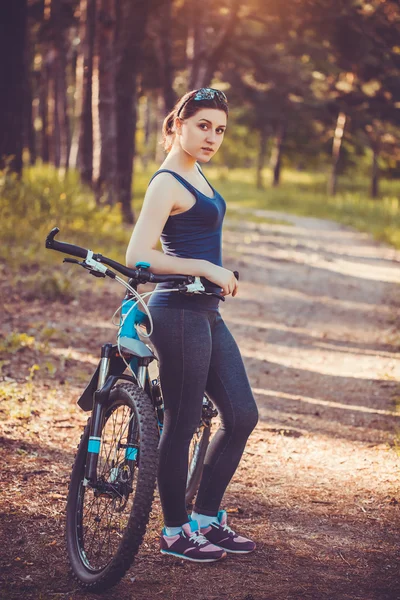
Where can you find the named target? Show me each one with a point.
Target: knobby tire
(135, 398)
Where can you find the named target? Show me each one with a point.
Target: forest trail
(316, 319)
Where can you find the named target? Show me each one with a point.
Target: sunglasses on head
(205, 94)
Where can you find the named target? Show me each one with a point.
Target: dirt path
(318, 486)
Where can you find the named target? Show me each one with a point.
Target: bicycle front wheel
(105, 524)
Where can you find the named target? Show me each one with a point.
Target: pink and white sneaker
(224, 537)
(190, 545)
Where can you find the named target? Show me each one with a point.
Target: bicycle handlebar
(139, 275)
(144, 276)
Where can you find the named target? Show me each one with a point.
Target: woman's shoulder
(163, 178)
(164, 189)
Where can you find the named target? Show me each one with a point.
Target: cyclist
(194, 346)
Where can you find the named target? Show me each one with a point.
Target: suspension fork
(97, 419)
(100, 403)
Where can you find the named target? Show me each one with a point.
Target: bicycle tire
(125, 394)
(196, 463)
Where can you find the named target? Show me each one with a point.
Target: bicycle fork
(100, 403)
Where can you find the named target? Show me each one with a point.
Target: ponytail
(168, 131)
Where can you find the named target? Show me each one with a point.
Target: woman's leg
(182, 340)
(229, 388)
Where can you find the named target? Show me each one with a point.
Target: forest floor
(316, 319)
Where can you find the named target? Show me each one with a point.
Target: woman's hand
(223, 278)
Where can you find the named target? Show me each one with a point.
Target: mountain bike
(113, 479)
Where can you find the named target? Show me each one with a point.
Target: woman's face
(201, 135)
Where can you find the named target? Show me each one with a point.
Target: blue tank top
(195, 233)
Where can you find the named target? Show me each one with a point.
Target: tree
(105, 102)
(59, 75)
(82, 144)
(132, 18)
(273, 81)
(13, 22)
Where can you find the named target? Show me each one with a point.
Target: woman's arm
(157, 206)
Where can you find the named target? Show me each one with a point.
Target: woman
(195, 349)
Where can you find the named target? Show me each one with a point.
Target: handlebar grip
(236, 274)
(52, 244)
(51, 236)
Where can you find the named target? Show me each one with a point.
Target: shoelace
(228, 529)
(198, 538)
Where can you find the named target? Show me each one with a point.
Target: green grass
(43, 199)
(303, 194)
(29, 209)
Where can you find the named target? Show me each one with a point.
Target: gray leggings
(197, 352)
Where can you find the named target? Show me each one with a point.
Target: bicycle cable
(140, 300)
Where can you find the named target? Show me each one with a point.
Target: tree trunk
(43, 108)
(85, 155)
(29, 130)
(12, 82)
(162, 47)
(375, 173)
(104, 105)
(276, 158)
(159, 155)
(131, 25)
(59, 74)
(148, 126)
(261, 157)
(336, 147)
(82, 145)
(53, 126)
(49, 92)
(54, 98)
(74, 150)
(62, 115)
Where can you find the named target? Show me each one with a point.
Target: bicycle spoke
(98, 521)
(104, 516)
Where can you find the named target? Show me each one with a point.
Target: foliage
(15, 341)
(43, 199)
(17, 400)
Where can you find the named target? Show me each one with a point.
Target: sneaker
(190, 545)
(223, 536)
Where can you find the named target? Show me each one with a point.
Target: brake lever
(196, 287)
(85, 266)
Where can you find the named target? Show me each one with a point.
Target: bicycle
(113, 479)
